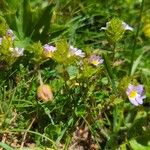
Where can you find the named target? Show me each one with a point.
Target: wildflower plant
(115, 29)
(8, 51)
(69, 85)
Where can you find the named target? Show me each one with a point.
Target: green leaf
(117, 117)
(80, 111)
(3, 26)
(111, 143)
(62, 51)
(72, 71)
(27, 17)
(136, 146)
(42, 27)
(88, 71)
(136, 128)
(115, 30)
(53, 131)
(137, 62)
(109, 71)
(5, 146)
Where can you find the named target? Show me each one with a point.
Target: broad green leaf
(42, 27)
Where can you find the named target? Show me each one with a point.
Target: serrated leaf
(62, 51)
(115, 30)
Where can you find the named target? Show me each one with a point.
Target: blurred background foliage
(85, 109)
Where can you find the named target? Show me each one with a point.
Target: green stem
(136, 35)
(40, 78)
(110, 73)
(114, 50)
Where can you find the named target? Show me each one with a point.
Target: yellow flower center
(48, 54)
(133, 94)
(95, 62)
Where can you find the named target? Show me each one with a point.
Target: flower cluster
(49, 50)
(136, 94)
(10, 36)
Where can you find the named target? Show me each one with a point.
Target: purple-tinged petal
(133, 101)
(143, 97)
(130, 88)
(139, 89)
(96, 60)
(76, 52)
(139, 99)
(49, 48)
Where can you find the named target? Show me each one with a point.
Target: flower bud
(44, 92)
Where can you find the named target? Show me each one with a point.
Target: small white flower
(17, 52)
(95, 60)
(1, 40)
(76, 52)
(11, 34)
(125, 26)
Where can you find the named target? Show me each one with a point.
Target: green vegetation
(74, 75)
